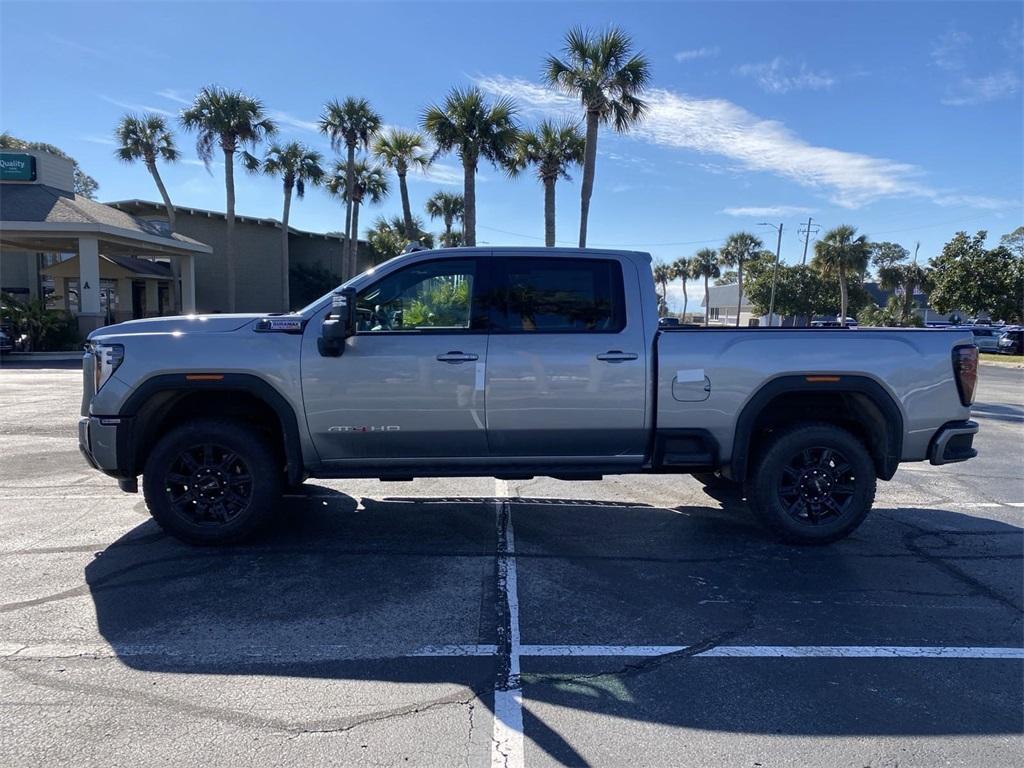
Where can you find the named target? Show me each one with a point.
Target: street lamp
(775, 270)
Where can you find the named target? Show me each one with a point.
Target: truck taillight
(965, 369)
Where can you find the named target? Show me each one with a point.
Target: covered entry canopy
(37, 217)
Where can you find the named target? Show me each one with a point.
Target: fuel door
(691, 385)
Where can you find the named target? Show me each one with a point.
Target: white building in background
(722, 305)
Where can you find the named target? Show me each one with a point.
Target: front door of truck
(566, 364)
(410, 383)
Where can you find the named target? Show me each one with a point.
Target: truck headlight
(106, 359)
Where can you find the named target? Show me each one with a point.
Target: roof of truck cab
(533, 250)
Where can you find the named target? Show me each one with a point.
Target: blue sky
(903, 119)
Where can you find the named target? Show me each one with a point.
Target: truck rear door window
(564, 296)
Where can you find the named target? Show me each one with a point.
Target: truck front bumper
(98, 442)
(953, 442)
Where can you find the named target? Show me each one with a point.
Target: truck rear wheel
(212, 481)
(812, 484)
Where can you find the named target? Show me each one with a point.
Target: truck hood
(185, 324)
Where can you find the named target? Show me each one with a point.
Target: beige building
(109, 264)
(258, 254)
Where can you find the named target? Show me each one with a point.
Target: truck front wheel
(812, 484)
(211, 481)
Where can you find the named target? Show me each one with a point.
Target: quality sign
(17, 167)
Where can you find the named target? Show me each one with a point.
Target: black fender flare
(227, 382)
(830, 383)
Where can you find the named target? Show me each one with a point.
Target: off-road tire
(212, 481)
(811, 483)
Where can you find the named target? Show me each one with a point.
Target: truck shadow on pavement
(348, 590)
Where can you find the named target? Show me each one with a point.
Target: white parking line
(279, 654)
(507, 738)
(781, 651)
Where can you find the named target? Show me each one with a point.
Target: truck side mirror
(339, 324)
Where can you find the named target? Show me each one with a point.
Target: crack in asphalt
(222, 714)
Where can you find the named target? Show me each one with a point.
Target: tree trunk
(707, 302)
(842, 295)
(229, 181)
(549, 213)
(285, 287)
(589, 161)
(355, 226)
(739, 286)
(348, 260)
(175, 266)
(686, 298)
(410, 232)
(448, 220)
(469, 193)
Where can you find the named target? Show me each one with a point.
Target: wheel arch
(160, 399)
(857, 403)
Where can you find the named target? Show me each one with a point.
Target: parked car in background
(986, 337)
(6, 342)
(668, 322)
(1011, 342)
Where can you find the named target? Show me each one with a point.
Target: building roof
(724, 296)
(23, 205)
(119, 266)
(137, 206)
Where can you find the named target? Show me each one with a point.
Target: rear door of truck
(566, 363)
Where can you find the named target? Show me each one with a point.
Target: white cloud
(768, 210)
(133, 107)
(949, 50)
(721, 128)
(104, 140)
(981, 90)
(440, 173)
(172, 95)
(696, 53)
(290, 121)
(531, 98)
(779, 76)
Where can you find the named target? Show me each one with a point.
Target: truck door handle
(617, 356)
(458, 357)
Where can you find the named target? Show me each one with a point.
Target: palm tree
(738, 248)
(233, 121)
(297, 165)
(905, 278)
(683, 271)
(447, 206)
(466, 124)
(368, 182)
(397, 225)
(663, 275)
(352, 123)
(147, 138)
(602, 70)
(400, 150)
(705, 264)
(842, 252)
(553, 148)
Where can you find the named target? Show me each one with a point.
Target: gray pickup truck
(513, 363)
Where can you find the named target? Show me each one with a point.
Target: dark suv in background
(1012, 341)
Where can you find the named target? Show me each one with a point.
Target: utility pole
(775, 271)
(806, 232)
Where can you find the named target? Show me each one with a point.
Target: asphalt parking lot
(475, 622)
